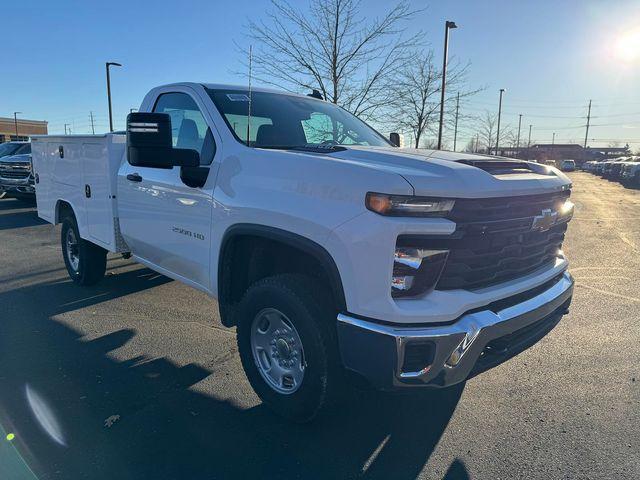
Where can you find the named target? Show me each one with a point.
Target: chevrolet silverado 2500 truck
(336, 254)
(16, 176)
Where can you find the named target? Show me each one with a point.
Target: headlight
(566, 210)
(416, 270)
(408, 205)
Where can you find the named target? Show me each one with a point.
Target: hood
(22, 158)
(461, 175)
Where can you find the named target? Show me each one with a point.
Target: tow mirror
(394, 138)
(149, 143)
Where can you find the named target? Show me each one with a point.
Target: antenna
(249, 113)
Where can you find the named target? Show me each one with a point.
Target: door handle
(134, 177)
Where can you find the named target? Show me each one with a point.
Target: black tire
(309, 310)
(91, 259)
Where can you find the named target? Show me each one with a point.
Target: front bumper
(392, 356)
(22, 185)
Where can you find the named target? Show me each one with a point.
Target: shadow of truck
(171, 430)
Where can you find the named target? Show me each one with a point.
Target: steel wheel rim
(72, 249)
(277, 351)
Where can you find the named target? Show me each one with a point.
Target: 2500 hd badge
(188, 233)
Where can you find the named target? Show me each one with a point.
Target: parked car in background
(612, 168)
(616, 168)
(16, 171)
(600, 168)
(630, 173)
(589, 166)
(551, 163)
(568, 165)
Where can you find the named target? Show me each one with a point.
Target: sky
(552, 57)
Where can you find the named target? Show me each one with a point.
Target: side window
(188, 127)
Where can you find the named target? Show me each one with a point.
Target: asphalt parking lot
(136, 378)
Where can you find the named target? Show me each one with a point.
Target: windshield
(288, 121)
(9, 148)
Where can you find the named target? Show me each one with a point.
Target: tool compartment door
(96, 188)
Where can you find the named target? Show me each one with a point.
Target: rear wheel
(287, 347)
(85, 261)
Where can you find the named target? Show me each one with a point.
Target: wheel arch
(302, 246)
(62, 207)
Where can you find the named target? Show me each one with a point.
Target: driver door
(166, 222)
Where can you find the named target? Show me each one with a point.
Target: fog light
(416, 270)
(455, 357)
(402, 282)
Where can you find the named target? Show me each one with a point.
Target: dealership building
(25, 129)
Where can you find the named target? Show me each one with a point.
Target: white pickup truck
(338, 256)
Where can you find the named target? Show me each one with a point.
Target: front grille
(494, 242)
(472, 210)
(14, 174)
(477, 261)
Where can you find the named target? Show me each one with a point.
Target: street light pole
(447, 26)
(455, 131)
(529, 143)
(502, 90)
(518, 140)
(108, 64)
(15, 122)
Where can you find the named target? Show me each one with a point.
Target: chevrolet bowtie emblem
(544, 221)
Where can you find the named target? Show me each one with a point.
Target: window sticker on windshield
(237, 97)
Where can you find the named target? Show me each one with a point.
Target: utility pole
(447, 26)
(518, 140)
(455, 131)
(65, 127)
(553, 139)
(502, 90)
(93, 130)
(15, 121)
(529, 143)
(477, 139)
(586, 134)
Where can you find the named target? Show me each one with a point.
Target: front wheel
(287, 347)
(85, 261)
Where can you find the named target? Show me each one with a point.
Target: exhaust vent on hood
(500, 167)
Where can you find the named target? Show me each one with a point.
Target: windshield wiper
(309, 147)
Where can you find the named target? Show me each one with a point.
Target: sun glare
(627, 47)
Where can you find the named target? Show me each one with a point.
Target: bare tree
(330, 47)
(470, 147)
(416, 104)
(487, 128)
